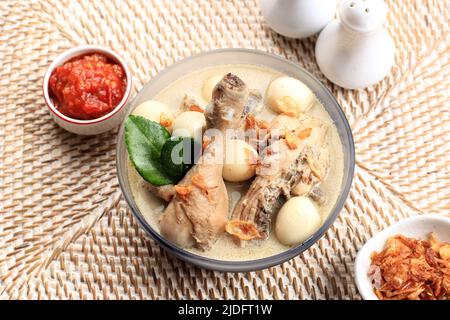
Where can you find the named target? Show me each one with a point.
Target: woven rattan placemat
(65, 230)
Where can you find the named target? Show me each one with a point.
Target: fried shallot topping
(291, 140)
(263, 124)
(183, 192)
(243, 230)
(304, 134)
(199, 182)
(206, 141)
(165, 120)
(252, 123)
(411, 269)
(288, 106)
(196, 108)
(315, 171)
(190, 104)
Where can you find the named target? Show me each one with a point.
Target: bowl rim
(78, 51)
(244, 265)
(361, 278)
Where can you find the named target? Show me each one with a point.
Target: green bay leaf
(144, 139)
(178, 155)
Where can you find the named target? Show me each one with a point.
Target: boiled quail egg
(297, 220)
(157, 112)
(288, 95)
(240, 161)
(190, 124)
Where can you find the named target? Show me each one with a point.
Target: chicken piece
(281, 169)
(284, 166)
(232, 100)
(229, 98)
(319, 157)
(319, 160)
(165, 192)
(190, 104)
(198, 212)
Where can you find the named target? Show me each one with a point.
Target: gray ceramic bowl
(252, 57)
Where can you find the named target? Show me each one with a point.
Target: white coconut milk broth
(256, 78)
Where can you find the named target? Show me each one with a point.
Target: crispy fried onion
(304, 134)
(165, 120)
(288, 106)
(291, 140)
(196, 108)
(411, 269)
(183, 192)
(252, 123)
(315, 171)
(263, 124)
(243, 230)
(206, 141)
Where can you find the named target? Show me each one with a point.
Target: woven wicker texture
(65, 230)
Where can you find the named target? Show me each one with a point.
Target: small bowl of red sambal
(86, 89)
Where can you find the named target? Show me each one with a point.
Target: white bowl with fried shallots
(418, 227)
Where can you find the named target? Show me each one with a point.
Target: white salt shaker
(298, 18)
(356, 51)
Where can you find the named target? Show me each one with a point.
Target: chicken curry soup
(229, 207)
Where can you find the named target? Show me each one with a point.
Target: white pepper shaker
(356, 51)
(297, 18)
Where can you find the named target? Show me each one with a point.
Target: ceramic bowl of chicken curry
(235, 160)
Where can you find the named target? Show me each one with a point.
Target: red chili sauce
(87, 87)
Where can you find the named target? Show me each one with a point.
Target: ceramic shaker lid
(363, 15)
(297, 18)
